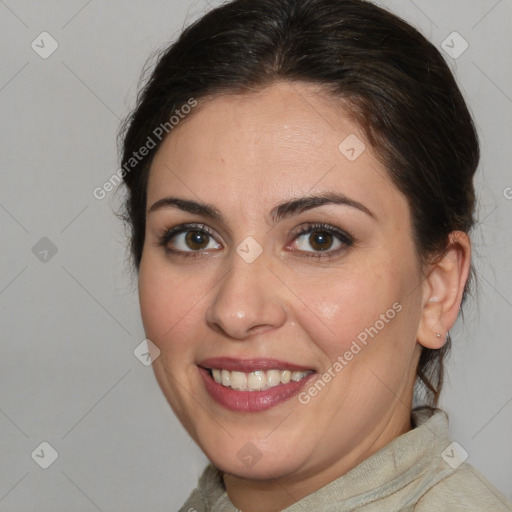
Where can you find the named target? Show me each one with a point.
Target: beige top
(418, 471)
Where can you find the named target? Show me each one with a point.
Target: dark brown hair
(396, 84)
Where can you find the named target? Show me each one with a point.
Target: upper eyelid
(165, 236)
(188, 226)
(312, 226)
(303, 227)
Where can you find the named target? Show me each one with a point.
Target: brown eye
(320, 240)
(197, 240)
(188, 239)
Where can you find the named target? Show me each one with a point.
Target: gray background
(70, 323)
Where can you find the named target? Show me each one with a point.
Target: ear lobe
(443, 291)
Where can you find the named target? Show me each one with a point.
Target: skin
(245, 154)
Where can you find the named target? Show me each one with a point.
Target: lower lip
(251, 401)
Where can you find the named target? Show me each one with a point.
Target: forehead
(259, 148)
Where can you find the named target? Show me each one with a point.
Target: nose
(247, 300)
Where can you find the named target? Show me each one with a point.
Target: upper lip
(249, 365)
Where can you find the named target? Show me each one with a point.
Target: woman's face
(294, 253)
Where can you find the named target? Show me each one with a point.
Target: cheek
(168, 303)
(344, 307)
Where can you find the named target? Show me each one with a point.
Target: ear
(442, 291)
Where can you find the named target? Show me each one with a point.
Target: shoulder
(464, 489)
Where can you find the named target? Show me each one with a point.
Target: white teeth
(273, 378)
(225, 376)
(238, 380)
(217, 376)
(257, 380)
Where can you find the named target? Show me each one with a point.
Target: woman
(300, 195)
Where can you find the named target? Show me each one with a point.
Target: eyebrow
(303, 204)
(187, 205)
(280, 212)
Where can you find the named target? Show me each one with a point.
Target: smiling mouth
(252, 385)
(258, 380)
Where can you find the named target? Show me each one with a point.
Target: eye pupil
(196, 239)
(320, 240)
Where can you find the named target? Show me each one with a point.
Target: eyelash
(167, 234)
(345, 239)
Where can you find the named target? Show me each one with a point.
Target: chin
(253, 460)
(261, 470)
